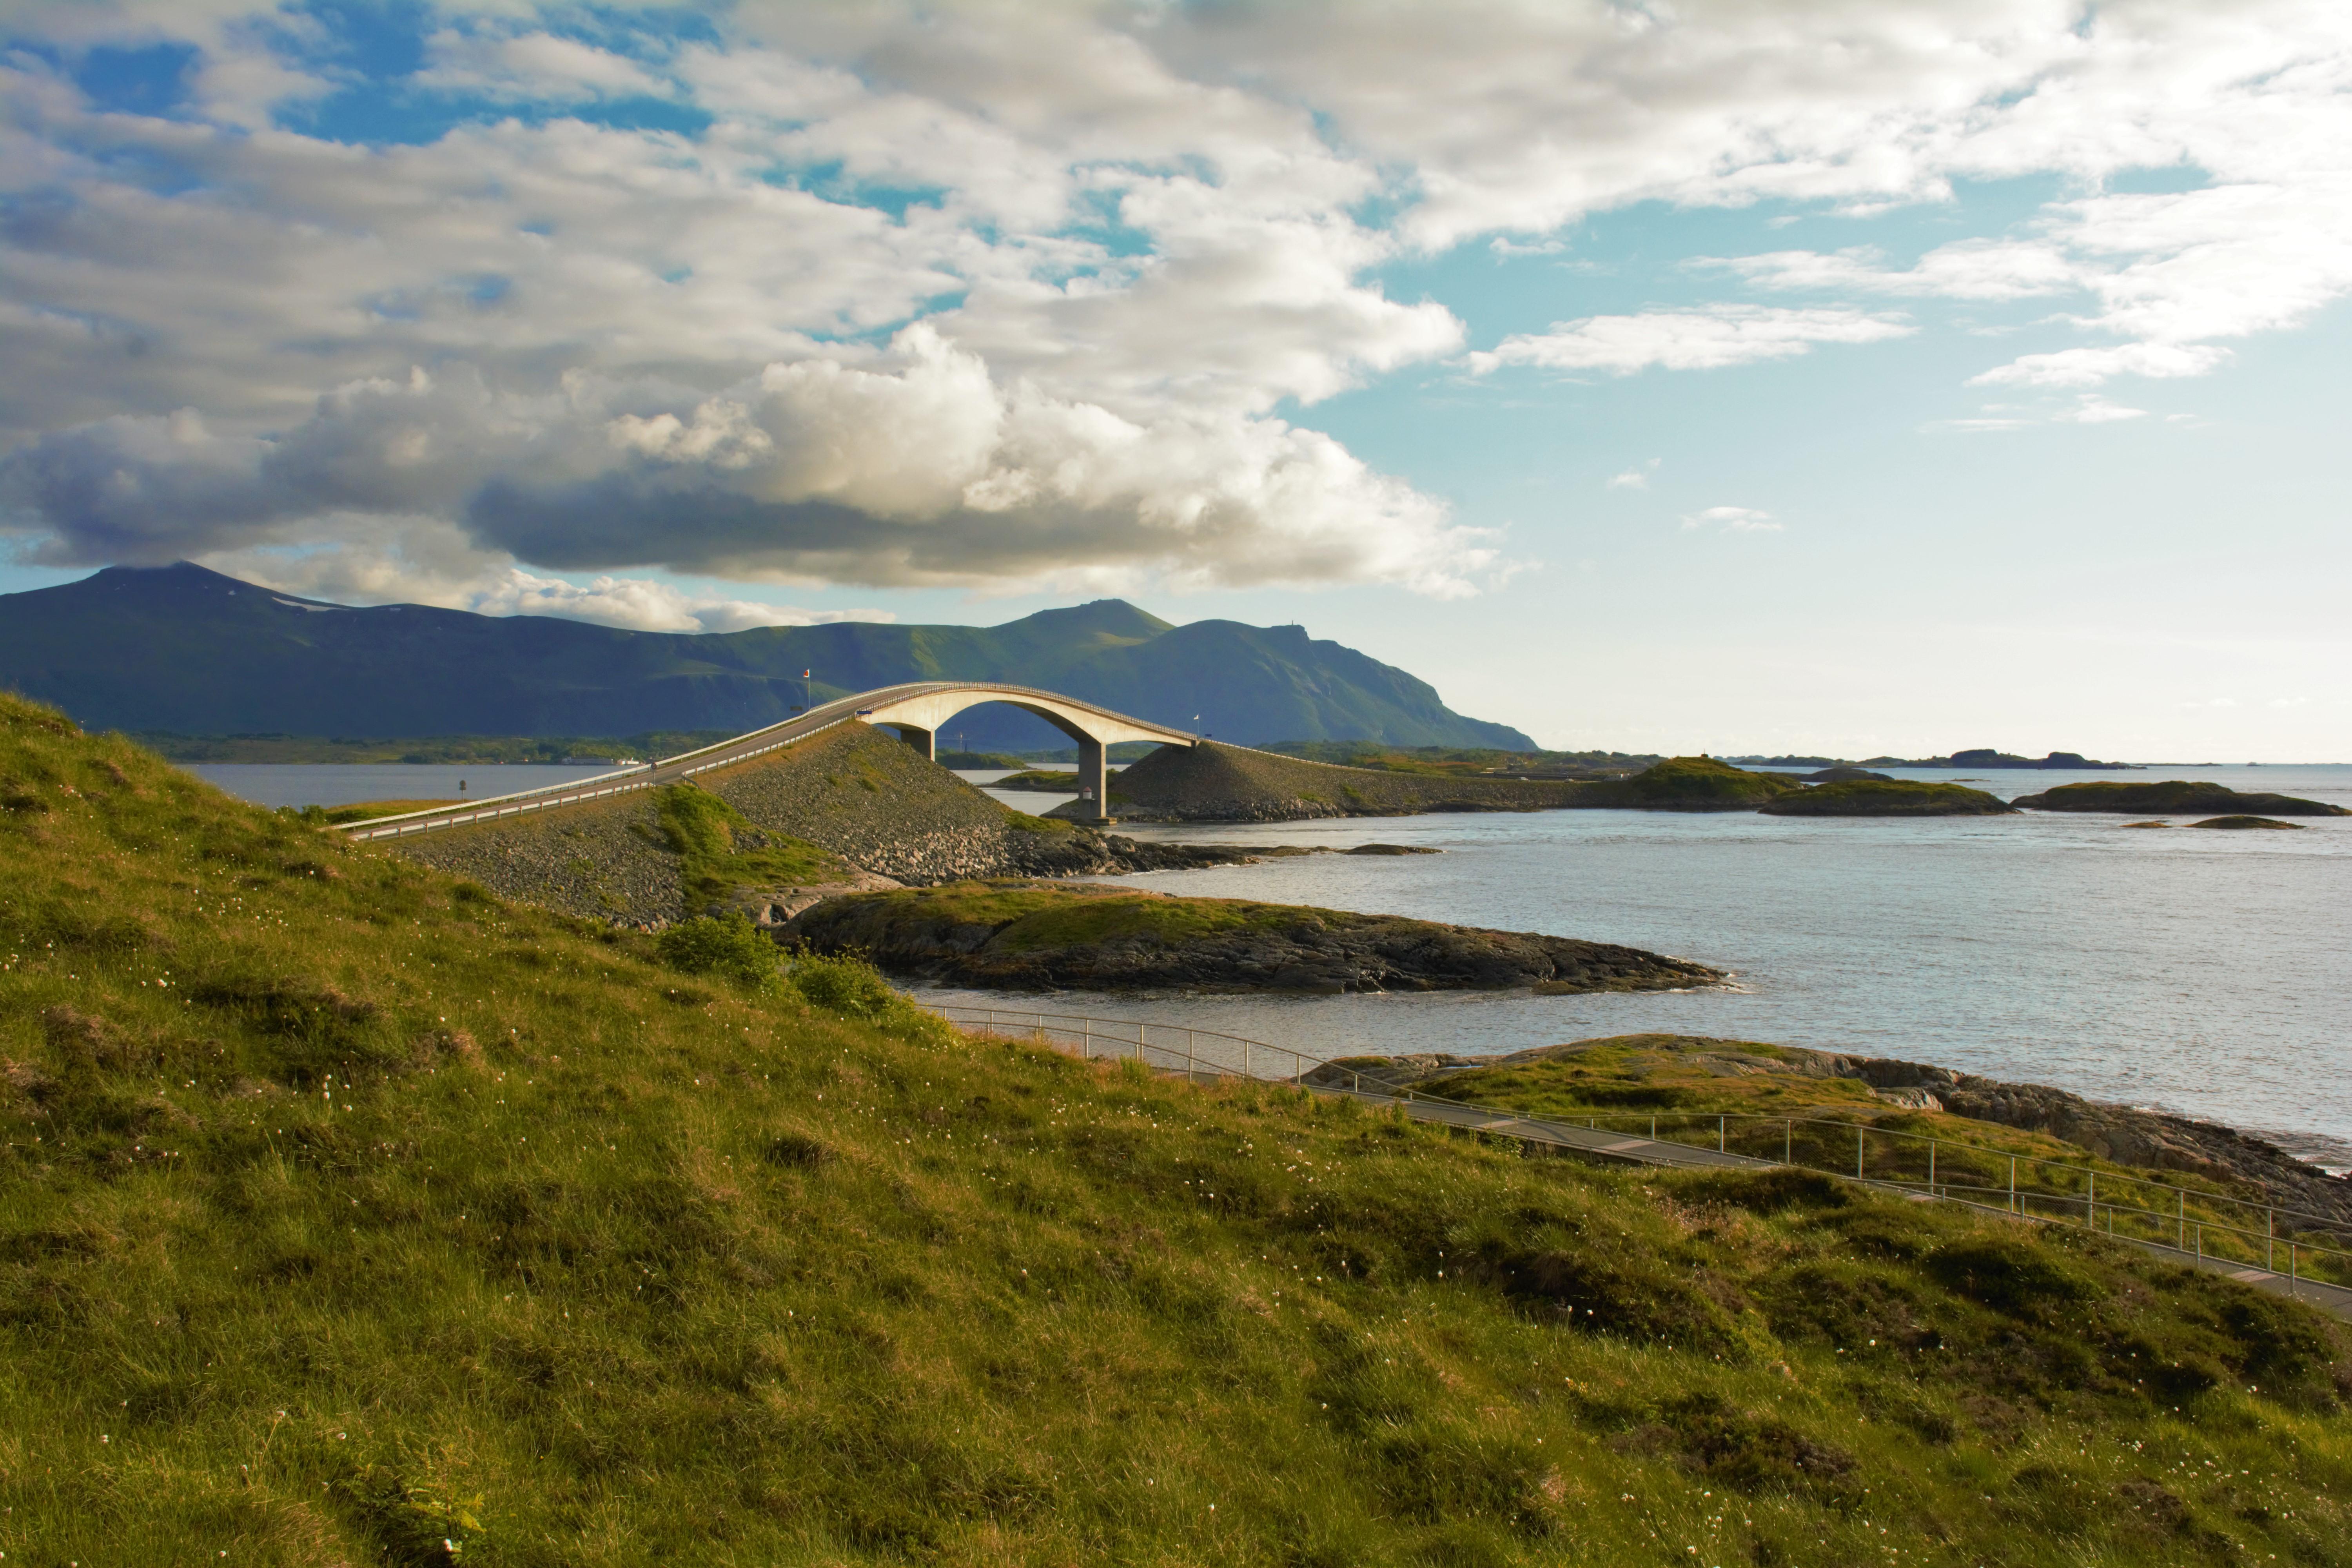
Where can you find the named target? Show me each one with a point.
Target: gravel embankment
(605, 860)
(856, 792)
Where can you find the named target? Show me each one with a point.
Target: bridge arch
(918, 713)
(915, 711)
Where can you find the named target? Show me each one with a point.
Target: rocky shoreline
(2151, 1140)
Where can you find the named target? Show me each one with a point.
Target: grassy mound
(1691, 783)
(348, 1214)
(1044, 780)
(1886, 797)
(1032, 936)
(2176, 796)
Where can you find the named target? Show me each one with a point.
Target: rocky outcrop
(1214, 783)
(1886, 797)
(2233, 823)
(2151, 1140)
(2177, 795)
(1020, 937)
(1209, 783)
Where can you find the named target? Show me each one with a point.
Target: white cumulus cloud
(1733, 520)
(1709, 338)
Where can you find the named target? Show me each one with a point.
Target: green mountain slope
(186, 651)
(350, 1216)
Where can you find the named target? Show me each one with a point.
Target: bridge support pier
(1094, 780)
(923, 740)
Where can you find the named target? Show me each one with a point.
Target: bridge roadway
(915, 711)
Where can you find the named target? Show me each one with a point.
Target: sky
(1849, 378)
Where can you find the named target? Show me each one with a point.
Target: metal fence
(2208, 1223)
(1200, 1056)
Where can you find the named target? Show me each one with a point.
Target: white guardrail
(647, 777)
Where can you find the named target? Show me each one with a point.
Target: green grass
(1039, 779)
(345, 1211)
(1692, 784)
(720, 849)
(1028, 823)
(366, 810)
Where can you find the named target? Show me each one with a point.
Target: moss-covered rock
(1031, 936)
(1887, 798)
(1690, 784)
(2180, 795)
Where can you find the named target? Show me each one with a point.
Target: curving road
(924, 703)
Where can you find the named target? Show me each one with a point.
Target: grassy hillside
(348, 1214)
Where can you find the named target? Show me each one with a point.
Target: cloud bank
(1007, 297)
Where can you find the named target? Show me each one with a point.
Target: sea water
(347, 784)
(2204, 972)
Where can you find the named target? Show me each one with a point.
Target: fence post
(1086, 1040)
(1931, 1168)
(2013, 1184)
(1653, 1129)
(1857, 1150)
(2270, 1240)
(2182, 1239)
(1246, 1071)
(1788, 1141)
(2091, 1204)
(1719, 1134)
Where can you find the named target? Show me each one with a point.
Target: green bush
(853, 988)
(728, 946)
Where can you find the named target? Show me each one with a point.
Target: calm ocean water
(2206, 973)
(346, 783)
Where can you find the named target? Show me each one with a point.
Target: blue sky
(1748, 378)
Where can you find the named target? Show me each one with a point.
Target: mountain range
(185, 650)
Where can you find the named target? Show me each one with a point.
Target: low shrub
(727, 946)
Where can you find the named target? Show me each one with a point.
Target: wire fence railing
(2209, 1224)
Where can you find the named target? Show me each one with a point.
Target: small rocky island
(2180, 795)
(1022, 935)
(1876, 795)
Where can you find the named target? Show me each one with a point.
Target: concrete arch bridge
(915, 711)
